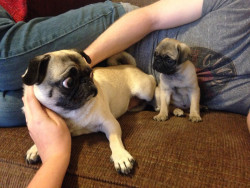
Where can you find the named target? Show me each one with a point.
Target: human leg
(73, 29)
(22, 41)
(11, 108)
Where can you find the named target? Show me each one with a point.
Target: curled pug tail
(122, 58)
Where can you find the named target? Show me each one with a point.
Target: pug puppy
(178, 80)
(88, 99)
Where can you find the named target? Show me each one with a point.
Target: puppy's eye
(68, 83)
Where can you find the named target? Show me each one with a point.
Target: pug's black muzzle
(165, 65)
(78, 96)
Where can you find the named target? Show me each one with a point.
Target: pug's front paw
(123, 161)
(160, 117)
(195, 118)
(178, 112)
(32, 156)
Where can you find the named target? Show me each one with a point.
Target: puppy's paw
(123, 161)
(178, 112)
(156, 107)
(160, 117)
(32, 156)
(195, 118)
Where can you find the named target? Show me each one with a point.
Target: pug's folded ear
(36, 71)
(184, 52)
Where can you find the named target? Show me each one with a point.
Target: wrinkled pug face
(63, 78)
(169, 55)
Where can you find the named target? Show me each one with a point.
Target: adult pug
(178, 80)
(89, 100)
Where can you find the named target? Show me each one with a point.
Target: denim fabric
(11, 108)
(22, 41)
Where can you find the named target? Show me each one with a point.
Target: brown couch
(175, 153)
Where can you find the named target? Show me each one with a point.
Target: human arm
(52, 138)
(135, 25)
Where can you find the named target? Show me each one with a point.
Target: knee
(11, 104)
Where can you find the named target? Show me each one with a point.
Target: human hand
(47, 129)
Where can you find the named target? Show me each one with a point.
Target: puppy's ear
(87, 58)
(36, 71)
(184, 52)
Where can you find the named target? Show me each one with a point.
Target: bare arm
(135, 25)
(50, 174)
(52, 138)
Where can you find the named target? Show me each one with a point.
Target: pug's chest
(78, 126)
(173, 81)
(83, 121)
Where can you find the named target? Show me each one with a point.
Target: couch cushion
(22, 10)
(175, 153)
(16, 8)
(42, 8)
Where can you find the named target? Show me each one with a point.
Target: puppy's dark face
(169, 55)
(164, 64)
(76, 87)
(63, 79)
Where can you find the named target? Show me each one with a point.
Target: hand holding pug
(47, 129)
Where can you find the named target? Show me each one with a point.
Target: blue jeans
(21, 41)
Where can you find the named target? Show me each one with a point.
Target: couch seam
(85, 177)
(19, 164)
(100, 180)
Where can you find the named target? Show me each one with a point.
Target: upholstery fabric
(175, 153)
(42, 8)
(24, 10)
(16, 8)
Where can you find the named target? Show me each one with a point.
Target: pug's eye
(68, 82)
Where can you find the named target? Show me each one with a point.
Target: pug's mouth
(163, 67)
(77, 99)
(92, 95)
(165, 64)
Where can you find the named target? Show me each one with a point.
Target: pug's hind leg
(32, 156)
(121, 158)
(145, 88)
(178, 112)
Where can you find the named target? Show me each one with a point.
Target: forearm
(51, 173)
(135, 25)
(120, 35)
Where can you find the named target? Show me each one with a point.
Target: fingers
(33, 109)
(55, 117)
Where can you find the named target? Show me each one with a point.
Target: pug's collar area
(84, 55)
